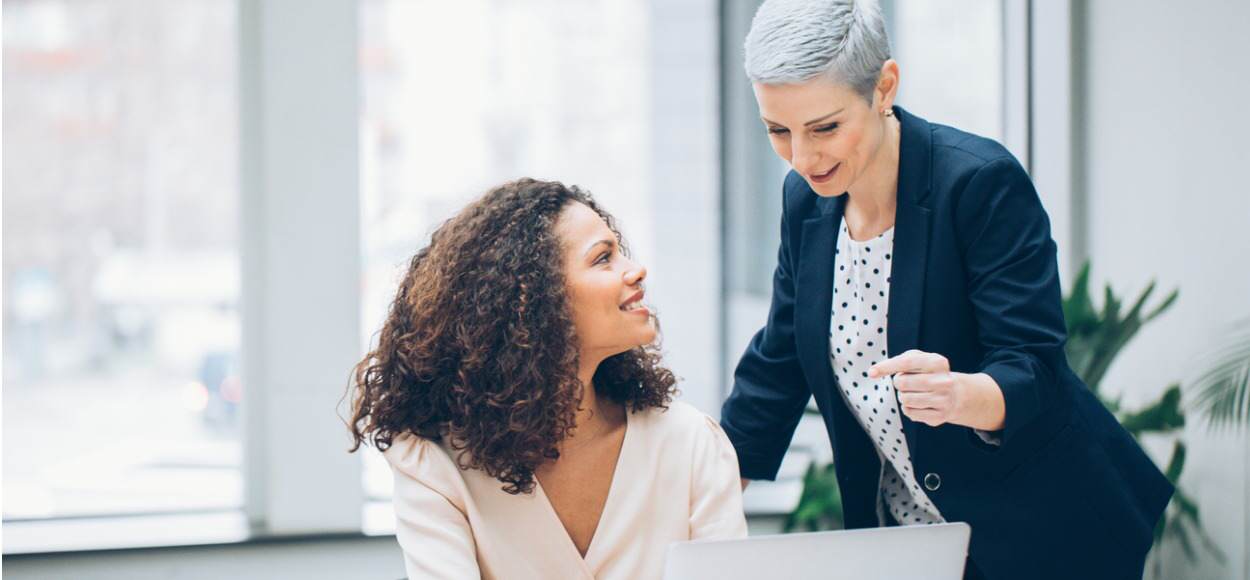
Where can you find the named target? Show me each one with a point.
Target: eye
(778, 130)
(603, 258)
(826, 128)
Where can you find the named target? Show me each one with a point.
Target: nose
(803, 155)
(635, 274)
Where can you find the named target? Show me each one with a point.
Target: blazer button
(932, 481)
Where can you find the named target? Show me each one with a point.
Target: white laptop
(933, 552)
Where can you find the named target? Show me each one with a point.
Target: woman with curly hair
(518, 394)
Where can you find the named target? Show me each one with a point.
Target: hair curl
(479, 344)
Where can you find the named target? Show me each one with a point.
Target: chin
(647, 337)
(637, 333)
(827, 189)
(650, 338)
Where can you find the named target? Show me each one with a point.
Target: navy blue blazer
(1069, 493)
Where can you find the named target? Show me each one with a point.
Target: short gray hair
(793, 41)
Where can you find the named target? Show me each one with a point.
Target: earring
(888, 112)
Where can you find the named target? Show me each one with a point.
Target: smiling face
(828, 133)
(605, 289)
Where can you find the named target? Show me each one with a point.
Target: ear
(887, 86)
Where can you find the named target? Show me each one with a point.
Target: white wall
(1167, 199)
(301, 259)
(685, 275)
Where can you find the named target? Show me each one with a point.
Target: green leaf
(1161, 308)
(1181, 521)
(1163, 415)
(1176, 464)
(1187, 506)
(1078, 309)
(1223, 388)
(1179, 532)
(1110, 304)
(820, 504)
(1095, 337)
(1134, 313)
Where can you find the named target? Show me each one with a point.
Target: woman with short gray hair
(917, 299)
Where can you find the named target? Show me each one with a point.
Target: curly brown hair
(479, 344)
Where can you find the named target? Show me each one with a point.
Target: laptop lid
(933, 552)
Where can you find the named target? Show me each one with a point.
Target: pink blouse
(676, 479)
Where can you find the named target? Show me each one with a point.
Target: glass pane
(532, 90)
(950, 55)
(121, 276)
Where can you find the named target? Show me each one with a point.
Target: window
(951, 57)
(512, 89)
(121, 277)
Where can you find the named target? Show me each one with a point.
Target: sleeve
(989, 437)
(433, 533)
(1014, 288)
(769, 390)
(716, 493)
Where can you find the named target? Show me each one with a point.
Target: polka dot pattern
(857, 338)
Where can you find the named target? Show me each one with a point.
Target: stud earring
(888, 112)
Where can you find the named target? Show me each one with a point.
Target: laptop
(932, 552)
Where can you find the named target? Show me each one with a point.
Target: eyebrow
(809, 123)
(597, 244)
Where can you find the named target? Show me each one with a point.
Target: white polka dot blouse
(857, 335)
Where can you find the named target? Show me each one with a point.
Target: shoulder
(957, 152)
(971, 176)
(678, 416)
(681, 421)
(959, 155)
(426, 462)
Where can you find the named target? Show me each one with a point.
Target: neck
(595, 415)
(871, 201)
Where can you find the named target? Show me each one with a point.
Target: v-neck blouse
(676, 479)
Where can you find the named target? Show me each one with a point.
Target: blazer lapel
(814, 296)
(911, 244)
(813, 314)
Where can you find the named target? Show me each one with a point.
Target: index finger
(910, 361)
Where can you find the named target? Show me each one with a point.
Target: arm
(769, 391)
(1013, 283)
(433, 533)
(715, 496)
